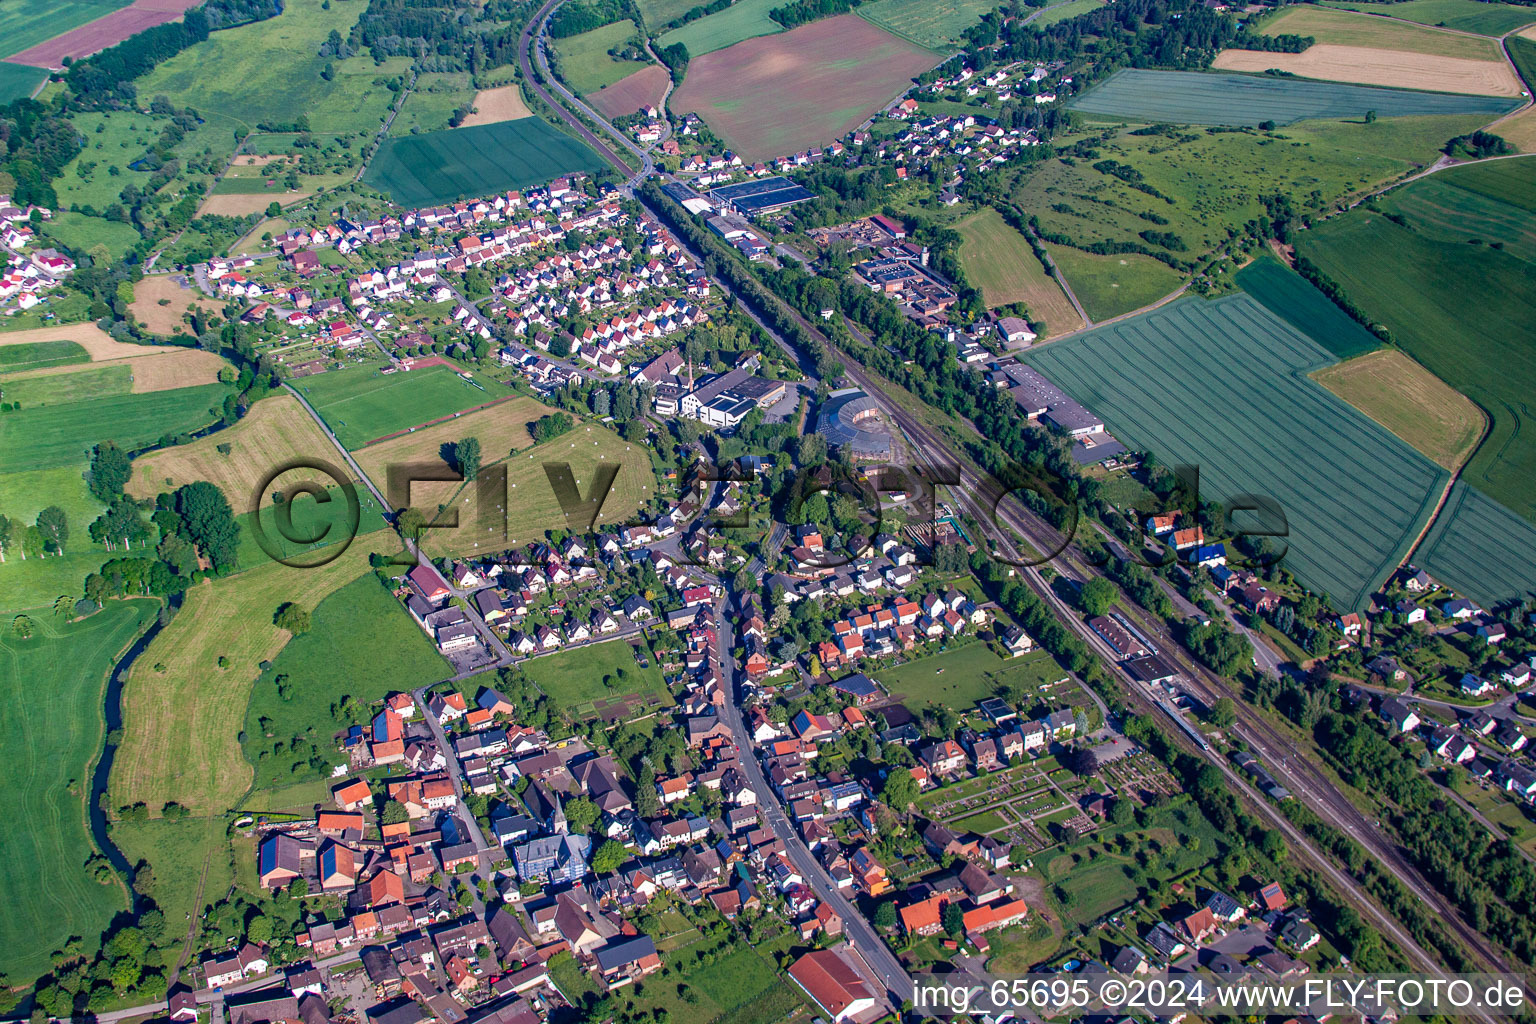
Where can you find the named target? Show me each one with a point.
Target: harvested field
(275, 430)
(166, 319)
(1481, 548)
(148, 373)
(1367, 66)
(93, 339)
(1519, 131)
(644, 88)
(1205, 383)
(503, 428)
(105, 31)
(1408, 400)
(999, 261)
(770, 96)
(1346, 28)
(240, 204)
(503, 103)
(1195, 97)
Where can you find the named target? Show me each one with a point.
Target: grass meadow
(744, 19)
(924, 22)
(86, 383)
(1438, 284)
(362, 404)
(51, 732)
(964, 675)
(61, 435)
(1197, 97)
(583, 60)
(37, 355)
(1062, 12)
(574, 678)
(1223, 385)
(1489, 19)
(82, 232)
(435, 167)
(999, 261)
(1111, 286)
(355, 630)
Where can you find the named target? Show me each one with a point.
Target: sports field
(1293, 299)
(49, 747)
(999, 261)
(1195, 97)
(1456, 304)
(744, 19)
(1489, 19)
(583, 60)
(1346, 28)
(960, 677)
(1410, 401)
(57, 435)
(1482, 549)
(362, 405)
(182, 712)
(355, 630)
(924, 22)
(1110, 286)
(1223, 385)
(271, 71)
(799, 89)
(435, 167)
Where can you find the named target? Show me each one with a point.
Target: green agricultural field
(964, 675)
(1184, 191)
(87, 384)
(18, 81)
(1197, 97)
(1484, 18)
(574, 678)
(1223, 385)
(744, 19)
(1346, 28)
(37, 355)
(24, 23)
(62, 435)
(1482, 549)
(999, 261)
(49, 746)
(362, 405)
(658, 12)
(583, 60)
(355, 630)
(419, 170)
(1111, 286)
(1438, 291)
(1292, 298)
(1062, 12)
(82, 232)
(926, 23)
(270, 72)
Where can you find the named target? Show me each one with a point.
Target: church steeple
(558, 823)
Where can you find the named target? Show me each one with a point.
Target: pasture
(35, 582)
(435, 167)
(1410, 401)
(59, 435)
(770, 96)
(1481, 548)
(644, 88)
(24, 24)
(1438, 291)
(1293, 299)
(274, 431)
(999, 261)
(83, 232)
(112, 139)
(744, 19)
(1111, 286)
(355, 630)
(1196, 97)
(182, 711)
(926, 23)
(1207, 383)
(269, 71)
(361, 404)
(1346, 28)
(1183, 191)
(1488, 19)
(583, 61)
(50, 747)
(1393, 68)
(434, 99)
(574, 678)
(966, 674)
